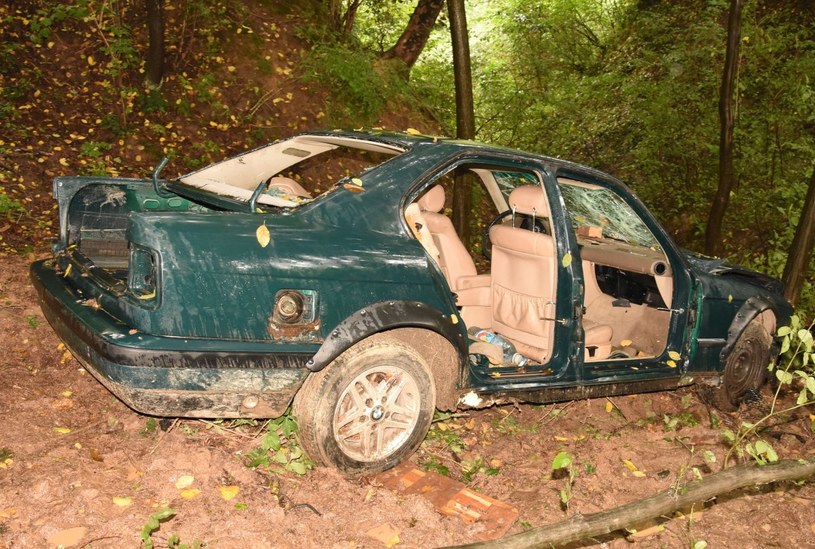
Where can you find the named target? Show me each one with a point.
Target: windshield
(601, 213)
(292, 172)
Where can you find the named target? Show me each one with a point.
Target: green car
(322, 272)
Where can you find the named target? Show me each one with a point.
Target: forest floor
(78, 467)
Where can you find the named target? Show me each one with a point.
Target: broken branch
(667, 502)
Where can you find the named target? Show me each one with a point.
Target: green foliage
(564, 463)
(794, 370)
(360, 88)
(150, 427)
(93, 152)
(279, 449)
(9, 206)
(154, 523)
(48, 18)
(472, 467)
(677, 421)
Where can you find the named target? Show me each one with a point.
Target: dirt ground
(78, 467)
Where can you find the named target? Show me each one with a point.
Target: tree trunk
(727, 176)
(350, 16)
(410, 45)
(665, 503)
(465, 112)
(800, 251)
(155, 50)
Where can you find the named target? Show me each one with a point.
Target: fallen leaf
(674, 355)
(120, 501)
(412, 131)
(62, 430)
(228, 492)
(630, 465)
(184, 481)
(626, 343)
(567, 260)
(671, 363)
(357, 181)
(609, 406)
(8, 512)
(69, 537)
(263, 235)
(386, 533)
(190, 493)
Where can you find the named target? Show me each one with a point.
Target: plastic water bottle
(511, 355)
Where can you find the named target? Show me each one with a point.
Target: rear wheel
(746, 367)
(369, 409)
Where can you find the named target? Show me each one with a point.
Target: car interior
(511, 288)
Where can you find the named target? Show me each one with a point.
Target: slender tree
(727, 176)
(465, 113)
(413, 39)
(155, 50)
(343, 20)
(800, 251)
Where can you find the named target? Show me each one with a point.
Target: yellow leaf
(91, 60)
(62, 430)
(626, 343)
(561, 439)
(674, 355)
(67, 393)
(8, 512)
(120, 501)
(454, 319)
(671, 363)
(411, 131)
(356, 181)
(190, 493)
(184, 481)
(730, 298)
(228, 492)
(567, 260)
(630, 465)
(63, 162)
(230, 68)
(638, 474)
(263, 235)
(609, 406)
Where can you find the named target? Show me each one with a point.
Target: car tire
(369, 409)
(745, 370)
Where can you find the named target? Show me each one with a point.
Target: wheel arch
(436, 336)
(755, 308)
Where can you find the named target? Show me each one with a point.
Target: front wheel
(746, 366)
(369, 409)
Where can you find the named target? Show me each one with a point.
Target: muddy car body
(234, 290)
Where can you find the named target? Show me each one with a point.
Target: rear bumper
(173, 377)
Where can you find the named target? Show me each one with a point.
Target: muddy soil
(79, 468)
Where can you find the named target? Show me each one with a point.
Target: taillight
(141, 277)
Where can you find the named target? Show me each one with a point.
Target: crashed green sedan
(323, 272)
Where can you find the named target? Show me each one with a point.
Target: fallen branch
(581, 527)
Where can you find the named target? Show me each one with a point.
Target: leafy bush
(359, 86)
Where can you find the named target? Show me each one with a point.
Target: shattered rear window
(289, 173)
